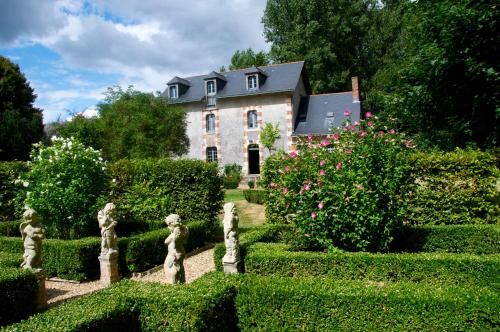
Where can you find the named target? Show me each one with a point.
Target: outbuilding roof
(280, 78)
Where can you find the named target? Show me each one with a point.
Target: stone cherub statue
(32, 234)
(109, 243)
(232, 255)
(174, 263)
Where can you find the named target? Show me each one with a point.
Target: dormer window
(211, 88)
(252, 82)
(172, 92)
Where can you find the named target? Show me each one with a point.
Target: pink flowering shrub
(343, 192)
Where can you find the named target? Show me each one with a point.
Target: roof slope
(318, 113)
(279, 78)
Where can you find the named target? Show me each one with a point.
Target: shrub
(149, 190)
(10, 228)
(18, 291)
(251, 184)
(232, 176)
(342, 190)
(452, 188)
(64, 186)
(256, 196)
(9, 172)
(460, 269)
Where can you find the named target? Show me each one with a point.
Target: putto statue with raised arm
(175, 242)
(109, 243)
(231, 260)
(32, 234)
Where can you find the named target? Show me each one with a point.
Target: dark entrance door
(253, 159)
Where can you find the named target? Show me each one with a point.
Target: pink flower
(293, 154)
(306, 187)
(295, 169)
(322, 163)
(287, 168)
(368, 114)
(325, 142)
(381, 133)
(392, 131)
(347, 112)
(301, 191)
(285, 191)
(335, 137)
(313, 215)
(320, 205)
(272, 185)
(309, 137)
(322, 172)
(356, 123)
(370, 124)
(363, 134)
(338, 166)
(349, 151)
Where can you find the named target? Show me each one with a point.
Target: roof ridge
(330, 93)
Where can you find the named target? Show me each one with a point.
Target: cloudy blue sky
(71, 51)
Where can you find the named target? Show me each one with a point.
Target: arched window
(211, 154)
(252, 119)
(210, 123)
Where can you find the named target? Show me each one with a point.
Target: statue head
(31, 216)
(109, 208)
(173, 220)
(229, 207)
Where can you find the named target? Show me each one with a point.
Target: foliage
(146, 191)
(269, 135)
(248, 58)
(232, 176)
(141, 125)
(18, 291)
(314, 304)
(342, 190)
(9, 173)
(20, 122)
(90, 131)
(441, 75)
(256, 196)
(251, 184)
(65, 186)
(452, 188)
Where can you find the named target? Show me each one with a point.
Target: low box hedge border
(77, 259)
(256, 196)
(466, 269)
(18, 294)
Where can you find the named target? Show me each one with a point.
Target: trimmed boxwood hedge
(10, 228)
(18, 294)
(256, 196)
(461, 269)
(77, 259)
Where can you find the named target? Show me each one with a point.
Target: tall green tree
(20, 123)
(141, 125)
(248, 58)
(89, 131)
(441, 77)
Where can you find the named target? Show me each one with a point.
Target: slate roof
(178, 80)
(280, 78)
(317, 113)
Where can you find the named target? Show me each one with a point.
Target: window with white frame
(252, 82)
(210, 87)
(210, 123)
(211, 154)
(252, 119)
(172, 91)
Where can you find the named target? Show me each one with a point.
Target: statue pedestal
(109, 269)
(233, 267)
(42, 293)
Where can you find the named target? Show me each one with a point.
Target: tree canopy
(21, 124)
(248, 58)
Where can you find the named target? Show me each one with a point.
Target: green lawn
(232, 195)
(250, 215)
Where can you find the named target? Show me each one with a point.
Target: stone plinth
(109, 269)
(233, 267)
(42, 293)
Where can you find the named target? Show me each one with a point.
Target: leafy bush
(452, 188)
(341, 190)
(10, 228)
(256, 196)
(65, 186)
(315, 304)
(148, 190)
(232, 176)
(251, 184)
(18, 291)
(9, 173)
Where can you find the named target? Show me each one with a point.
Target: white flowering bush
(66, 186)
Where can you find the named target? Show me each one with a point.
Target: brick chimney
(355, 89)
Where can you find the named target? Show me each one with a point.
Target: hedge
(205, 305)
(314, 304)
(256, 196)
(460, 269)
(77, 259)
(472, 239)
(18, 294)
(148, 190)
(452, 188)
(9, 172)
(10, 228)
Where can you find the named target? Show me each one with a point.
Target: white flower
(25, 184)
(114, 180)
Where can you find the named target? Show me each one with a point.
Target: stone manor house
(226, 111)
